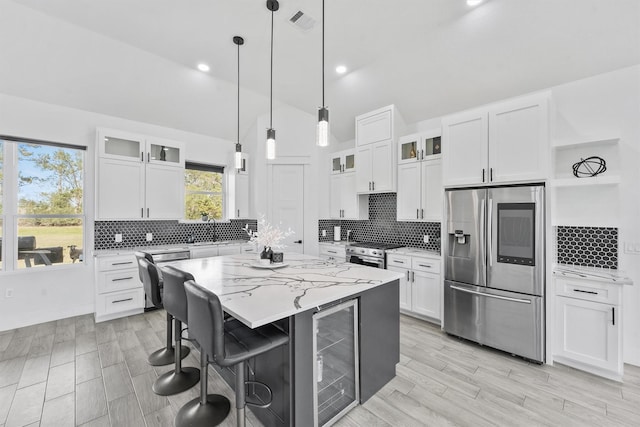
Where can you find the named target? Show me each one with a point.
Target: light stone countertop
(425, 253)
(258, 296)
(592, 273)
(338, 243)
(165, 248)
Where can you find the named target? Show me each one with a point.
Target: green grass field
(51, 236)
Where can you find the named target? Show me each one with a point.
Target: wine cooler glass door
(336, 370)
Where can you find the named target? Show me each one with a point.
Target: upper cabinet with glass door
(165, 152)
(121, 145)
(343, 161)
(419, 146)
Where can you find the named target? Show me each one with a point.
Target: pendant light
(322, 133)
(239, 41)
(273, 6)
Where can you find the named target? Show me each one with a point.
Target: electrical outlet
(149, 237)
(324, 233)
(425, 238)
(8, 293)
(118, 238)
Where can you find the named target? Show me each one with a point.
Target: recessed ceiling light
(341, 69)
(203, 67)
(473, 2)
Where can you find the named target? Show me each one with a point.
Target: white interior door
(287, 203)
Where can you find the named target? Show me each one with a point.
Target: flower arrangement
(268, 236)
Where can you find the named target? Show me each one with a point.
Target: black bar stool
(174, 299)
(229, 343)
(152, 286)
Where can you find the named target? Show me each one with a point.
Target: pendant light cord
(238, 93)
(271, 79)
(323, 104)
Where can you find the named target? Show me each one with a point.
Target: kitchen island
(311, 387)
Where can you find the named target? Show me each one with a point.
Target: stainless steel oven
(371, 254)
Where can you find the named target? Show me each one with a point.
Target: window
(45, 214)
(204, 191)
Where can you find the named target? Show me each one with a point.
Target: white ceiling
(429, 57)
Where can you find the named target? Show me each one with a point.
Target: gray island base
(349, 312)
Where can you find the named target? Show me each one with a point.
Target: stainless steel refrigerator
(495, 268)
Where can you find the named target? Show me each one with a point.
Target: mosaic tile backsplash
(382, 226)
(587, 246)
(167, 232)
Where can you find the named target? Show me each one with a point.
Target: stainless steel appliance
(494, 268)
(161, 256)
(371, 254)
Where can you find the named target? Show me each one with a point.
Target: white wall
(45, 294)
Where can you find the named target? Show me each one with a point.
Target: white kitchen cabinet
(138, 177)
(242, 196)
(332, 252)
(376, 134)
(343, 161)
(375, 168)
(118, 289)
(419, 180)
(344, 202)
(229, 249)
(502, 143)
(420, 286)
(588, 326)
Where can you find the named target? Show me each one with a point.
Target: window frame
(224, 193)
(10, 203)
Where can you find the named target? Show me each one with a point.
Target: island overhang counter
(294, 297)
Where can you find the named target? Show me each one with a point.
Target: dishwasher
(160, 257)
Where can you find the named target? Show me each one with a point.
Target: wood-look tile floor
(75, 372)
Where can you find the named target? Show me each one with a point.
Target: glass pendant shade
(322, 133)
(271, 144)
(238, 157)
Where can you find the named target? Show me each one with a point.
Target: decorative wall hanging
(589, 167)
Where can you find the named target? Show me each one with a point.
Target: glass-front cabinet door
(409, 148)
(120, 145)
(165, 152)
(343, 161)
(336, 368)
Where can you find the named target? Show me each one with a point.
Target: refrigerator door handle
(523, 301)
(490, 232)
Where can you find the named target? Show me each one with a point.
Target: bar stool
(229, 343)
(174, 299)
(152, 285)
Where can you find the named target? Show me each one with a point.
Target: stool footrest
(259, 404)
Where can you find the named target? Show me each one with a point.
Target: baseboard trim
(36, 317)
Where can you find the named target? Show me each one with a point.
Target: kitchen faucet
(212, 236)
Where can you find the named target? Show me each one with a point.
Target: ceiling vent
(302, 21)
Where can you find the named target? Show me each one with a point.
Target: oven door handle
(484, 294)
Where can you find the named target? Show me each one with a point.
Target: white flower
(267, 235)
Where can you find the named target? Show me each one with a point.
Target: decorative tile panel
(382, 226)
(587, 246)
(167, 232)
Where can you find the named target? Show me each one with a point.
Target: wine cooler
(335, 346)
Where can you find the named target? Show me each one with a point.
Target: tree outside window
(204, 191)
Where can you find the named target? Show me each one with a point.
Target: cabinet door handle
(482, 174)
(417, 213)
(413, 276)
(398, 261)
(422, 213)
(238, 213)
(613, 316)
(407, 275)
(373, 186)
(148, 215)
(333, 252)
(142, 156)
(585, 292)
(369, 185)
(122, 278)
(122, 263)
(121, 300)
(421, 154)
(148, 157)
(141, 212)
(424, 265)
(491, 174)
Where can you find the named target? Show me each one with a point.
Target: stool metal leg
(180, 379)
(241, 369)
(206, 410)
(166, 356)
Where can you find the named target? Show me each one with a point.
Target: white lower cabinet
(332, 252)
(420, 285)
(119, 291)
(588, 327)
